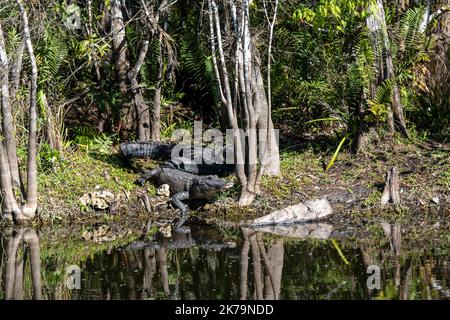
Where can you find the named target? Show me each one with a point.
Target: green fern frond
(383, 93)
(51, 53)
(410, 28)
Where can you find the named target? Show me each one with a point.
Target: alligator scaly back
(157, 150)
(181, 158)
(150, 150)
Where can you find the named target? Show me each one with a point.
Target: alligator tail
(151, 150)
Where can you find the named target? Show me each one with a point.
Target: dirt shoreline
(353, 186)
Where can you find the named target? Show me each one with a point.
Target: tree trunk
(227, 95)
(17, 69)
(29, 209)
(119, 44)
(142, 110)
(248, 101)
(268, 140)
(52, 130)
(103, 115)
(155, 118)
(8, 128)
(376, 23)
(268, 143)
(396, 102)
(439, 66)
(10, 208)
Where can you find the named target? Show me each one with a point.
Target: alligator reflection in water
(22, 244)
(303, 264)
(155, 253)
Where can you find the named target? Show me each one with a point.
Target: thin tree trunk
(103, 114)
(142, 110)
(268, 143)
(119, 44)
(52, 130)
(238, 148)
(246, 84)
(253, 110)
(29, 209)
(17, 69)
(439, 66)
(396, 102)
(10, 207)
(8, 128)
(361, 139)
(376, 23)
(156, 108)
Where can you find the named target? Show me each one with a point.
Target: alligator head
(206, 186)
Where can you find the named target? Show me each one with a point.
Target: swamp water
(308, 262)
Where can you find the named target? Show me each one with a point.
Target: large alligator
(186, 178)
(183, 158)
(184, 185)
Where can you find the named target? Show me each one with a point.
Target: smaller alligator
(184, 186)
(183, 160)
(151, 150)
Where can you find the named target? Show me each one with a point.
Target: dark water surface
(249, 265)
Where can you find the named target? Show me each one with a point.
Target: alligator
(209, 240)
(184, 160)
(184, 186)
(140, 149)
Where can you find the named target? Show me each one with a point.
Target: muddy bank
(353, 186)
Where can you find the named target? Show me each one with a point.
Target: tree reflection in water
(267, 279)
(202, 265)
(22, 254)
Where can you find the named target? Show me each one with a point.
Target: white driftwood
(302, 212)
(301, 231)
